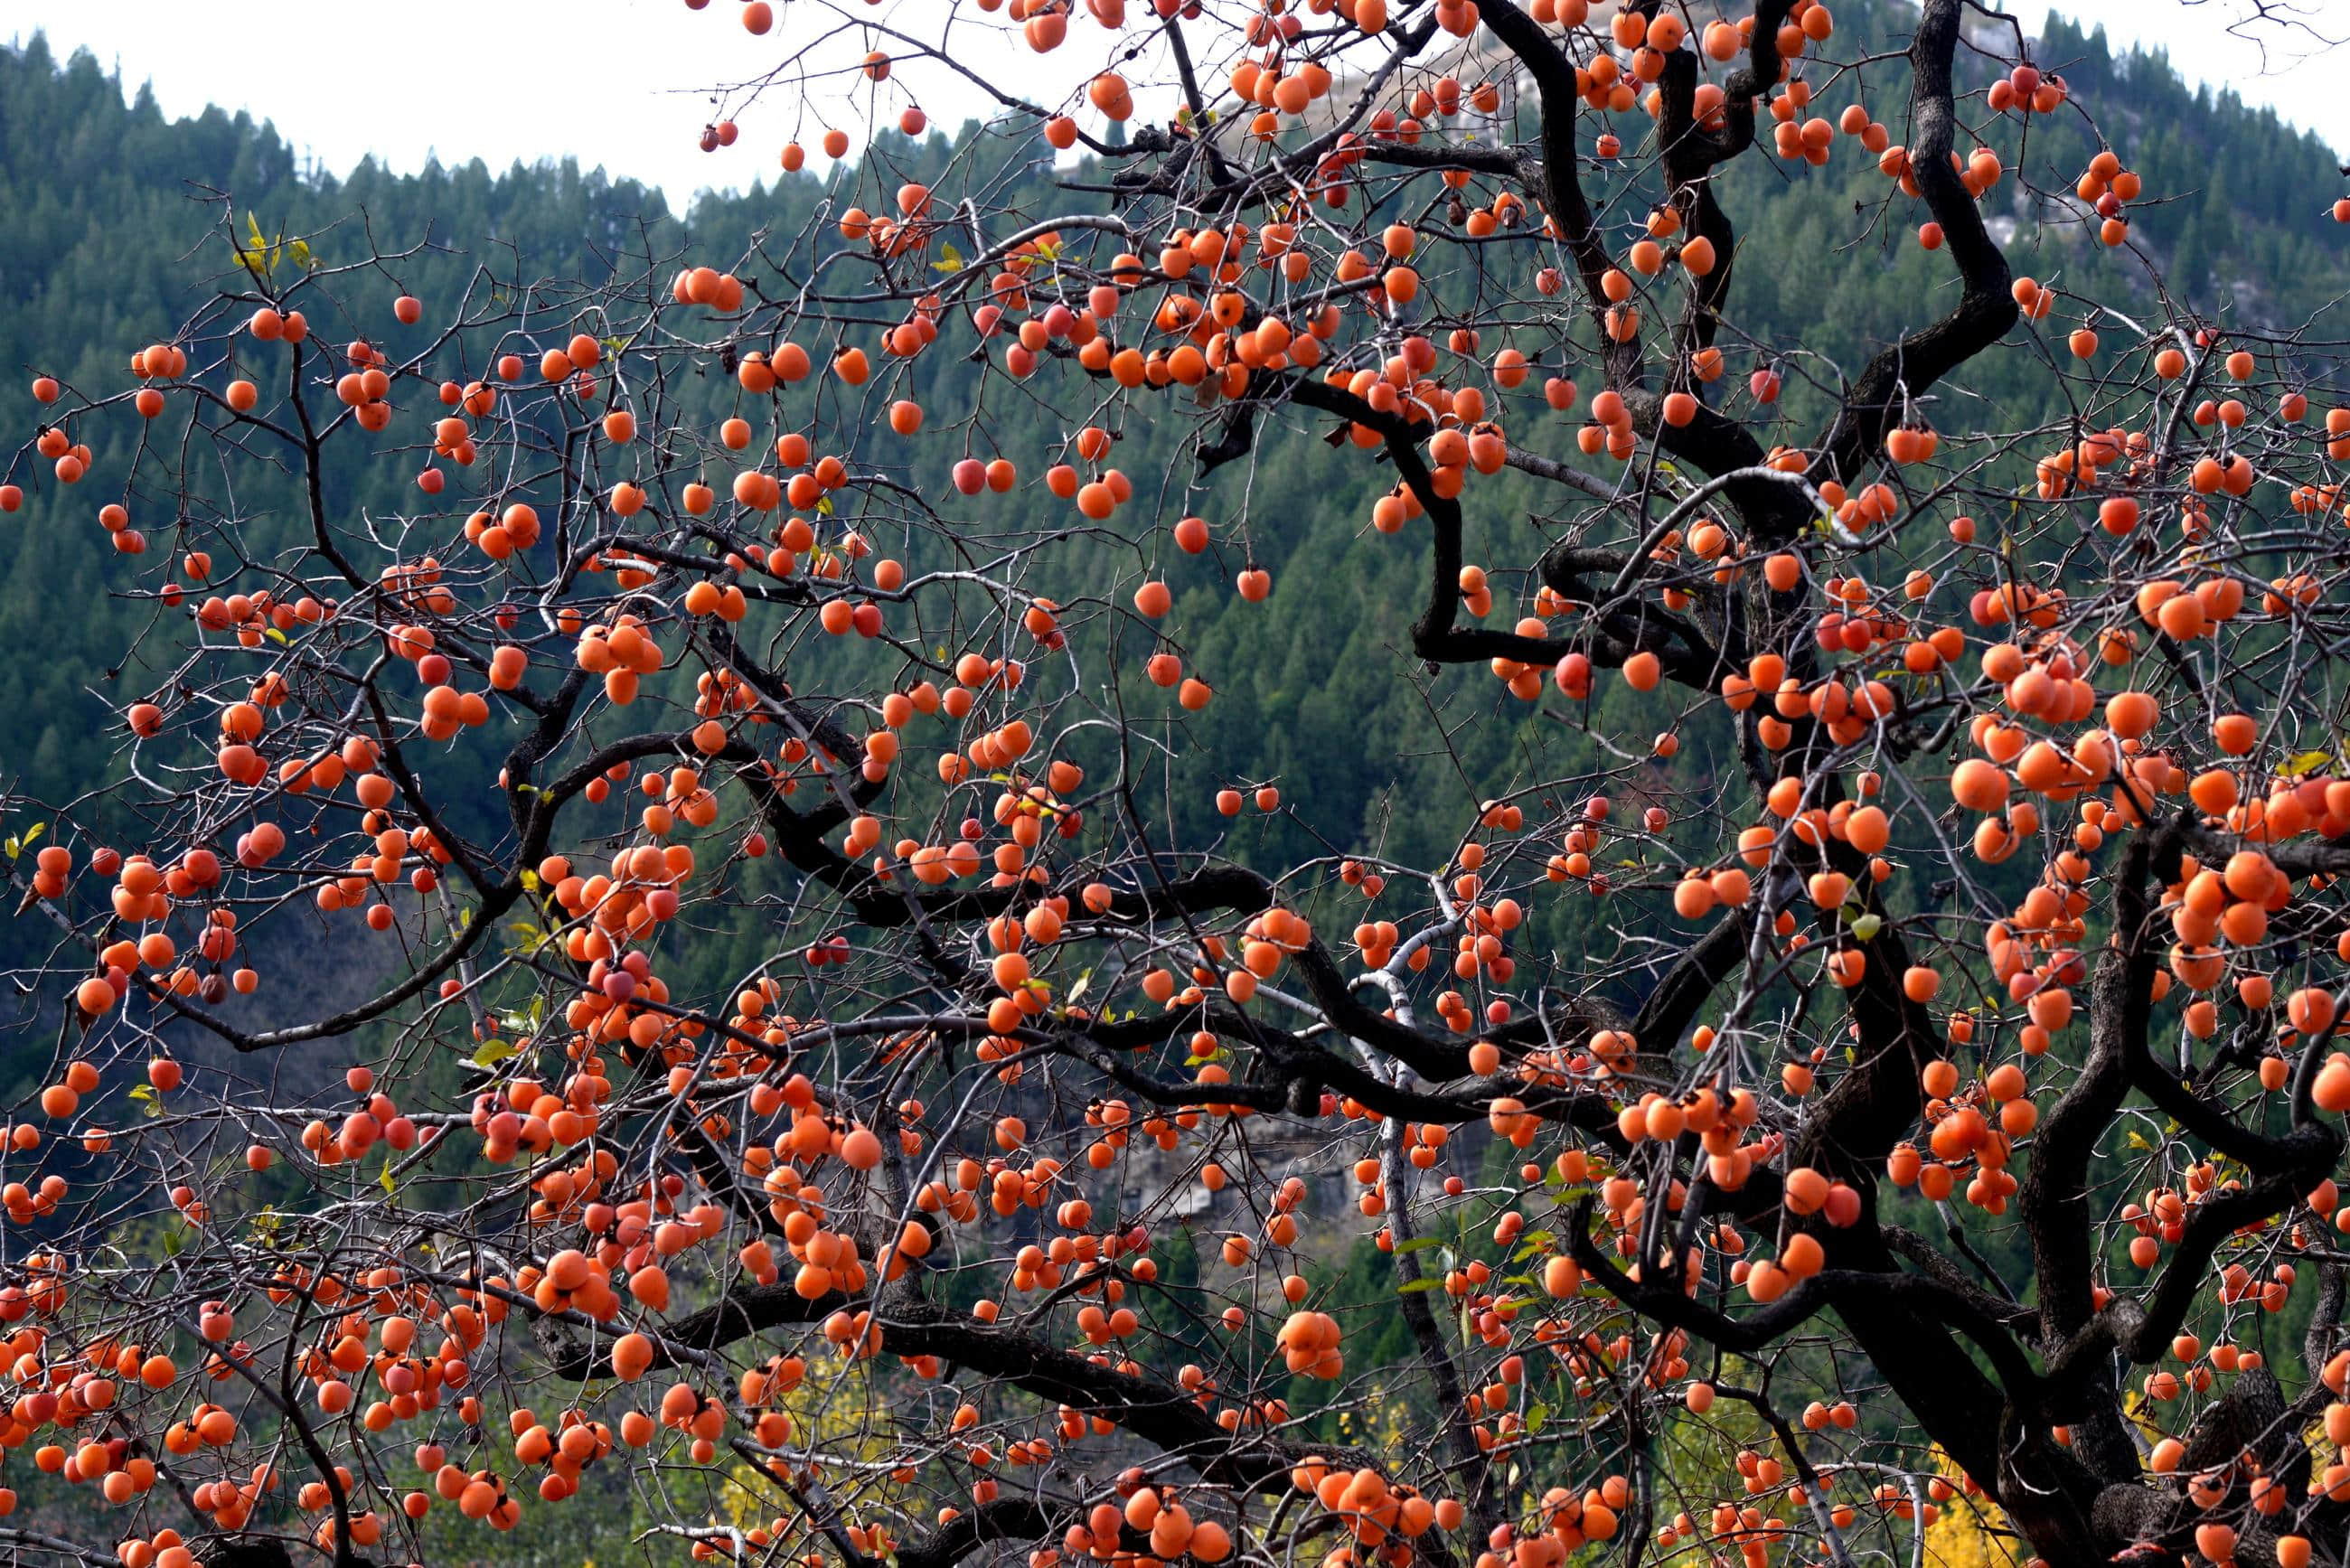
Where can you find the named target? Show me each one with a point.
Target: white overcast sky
(487, 79)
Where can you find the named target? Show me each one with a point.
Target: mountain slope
(108, 199)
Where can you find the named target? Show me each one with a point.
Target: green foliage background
(1317, 691)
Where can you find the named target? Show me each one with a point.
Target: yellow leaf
(1972, 1532)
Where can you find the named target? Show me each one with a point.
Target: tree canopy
(658, 880)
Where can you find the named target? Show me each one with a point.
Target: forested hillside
(105, 197)
(1317, 693)
(120, 221)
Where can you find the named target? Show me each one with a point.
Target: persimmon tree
(1897, 1074)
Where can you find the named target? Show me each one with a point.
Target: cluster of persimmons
(629, 1154)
